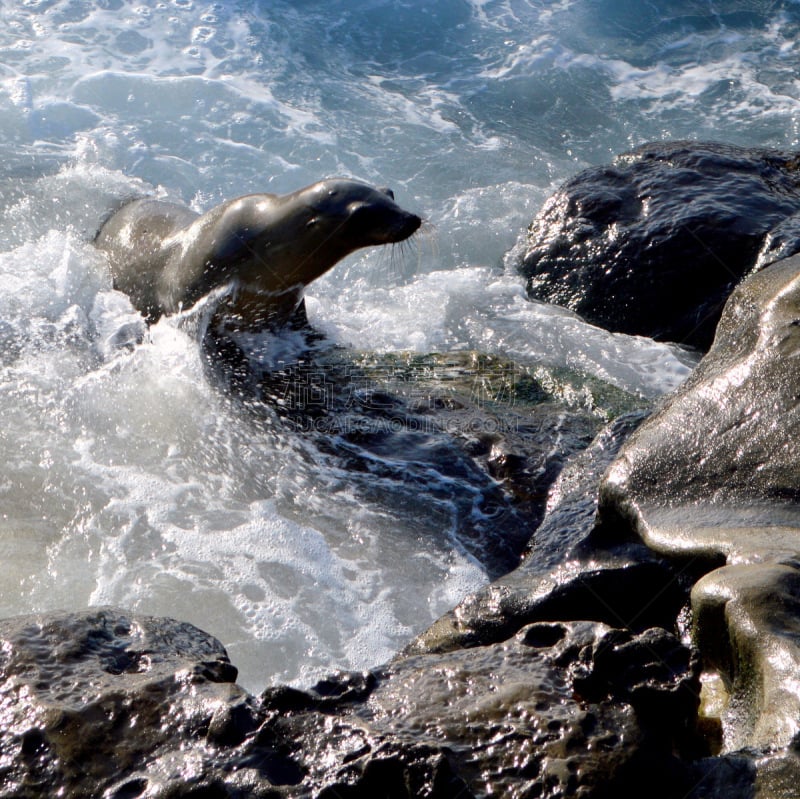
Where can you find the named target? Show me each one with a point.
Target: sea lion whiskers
(414, 244)
(401, 252)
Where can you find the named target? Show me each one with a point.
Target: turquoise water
(126, 477)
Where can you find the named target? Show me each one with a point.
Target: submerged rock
(654, 243)
(713, 481)
(478, 437)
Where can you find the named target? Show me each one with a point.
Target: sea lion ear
(387, 191)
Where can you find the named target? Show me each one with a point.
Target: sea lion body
(268, 247)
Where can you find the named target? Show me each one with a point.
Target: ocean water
(127, 477)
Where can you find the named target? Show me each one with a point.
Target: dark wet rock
(781, 242)
(108, 704)
(546, 712)
(573, 571)
(654, 243)
(713, 481)
(649, 671)
(91, 702)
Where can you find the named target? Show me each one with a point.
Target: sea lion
(267, 247)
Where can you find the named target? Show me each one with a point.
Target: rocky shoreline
(647, 643)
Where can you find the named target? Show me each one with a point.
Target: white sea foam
(483, 309)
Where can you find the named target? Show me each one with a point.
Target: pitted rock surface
(114, 705)
(86, 697)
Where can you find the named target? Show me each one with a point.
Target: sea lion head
(361, 214)
(280, 241)
(277, 244)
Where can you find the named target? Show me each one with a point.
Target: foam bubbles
(487, 310)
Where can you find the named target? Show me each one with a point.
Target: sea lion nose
(387, 191)
(413, 223)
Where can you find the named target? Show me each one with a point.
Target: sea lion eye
(387, 191)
